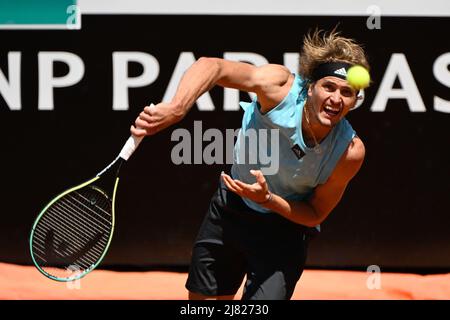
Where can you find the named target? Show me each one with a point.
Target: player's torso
(294, 169)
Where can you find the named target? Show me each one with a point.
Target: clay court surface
(26, 283)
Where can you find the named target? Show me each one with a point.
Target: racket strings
(73, 232)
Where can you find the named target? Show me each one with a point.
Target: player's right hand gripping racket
(72, 234)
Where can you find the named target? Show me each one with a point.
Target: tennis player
(259, 226)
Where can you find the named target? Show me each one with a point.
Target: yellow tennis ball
(358, 77)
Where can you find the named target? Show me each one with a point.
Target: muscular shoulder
(350, 162)
(273, 84)
(355, 151)
(271, 75)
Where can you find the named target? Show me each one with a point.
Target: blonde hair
(320, 46)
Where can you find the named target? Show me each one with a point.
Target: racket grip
(130, 146)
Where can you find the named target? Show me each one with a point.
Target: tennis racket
(72, 234)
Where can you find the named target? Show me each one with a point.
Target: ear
(310, 88)
(359, 99)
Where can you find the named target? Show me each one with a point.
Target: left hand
(257, 192)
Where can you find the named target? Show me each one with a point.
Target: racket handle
(129, 147)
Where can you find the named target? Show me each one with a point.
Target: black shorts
(235, 241)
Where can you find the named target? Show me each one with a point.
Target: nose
(335, 98)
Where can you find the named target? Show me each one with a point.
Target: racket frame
(93, 266)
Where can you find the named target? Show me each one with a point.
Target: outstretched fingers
(231, 184)
(259, 177)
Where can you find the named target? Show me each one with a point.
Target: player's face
(331, 99)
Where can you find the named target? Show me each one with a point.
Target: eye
(328, 87)
(347, 92)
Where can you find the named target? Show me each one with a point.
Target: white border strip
(429, 8)
(39, 27)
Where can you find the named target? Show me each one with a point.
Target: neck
(312, 130)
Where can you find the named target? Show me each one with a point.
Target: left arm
(324, 199)
(326, 196)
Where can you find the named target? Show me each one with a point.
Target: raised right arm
(270, 82)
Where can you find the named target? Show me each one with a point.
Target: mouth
(332, 111)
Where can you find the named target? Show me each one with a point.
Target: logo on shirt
(299, 153)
